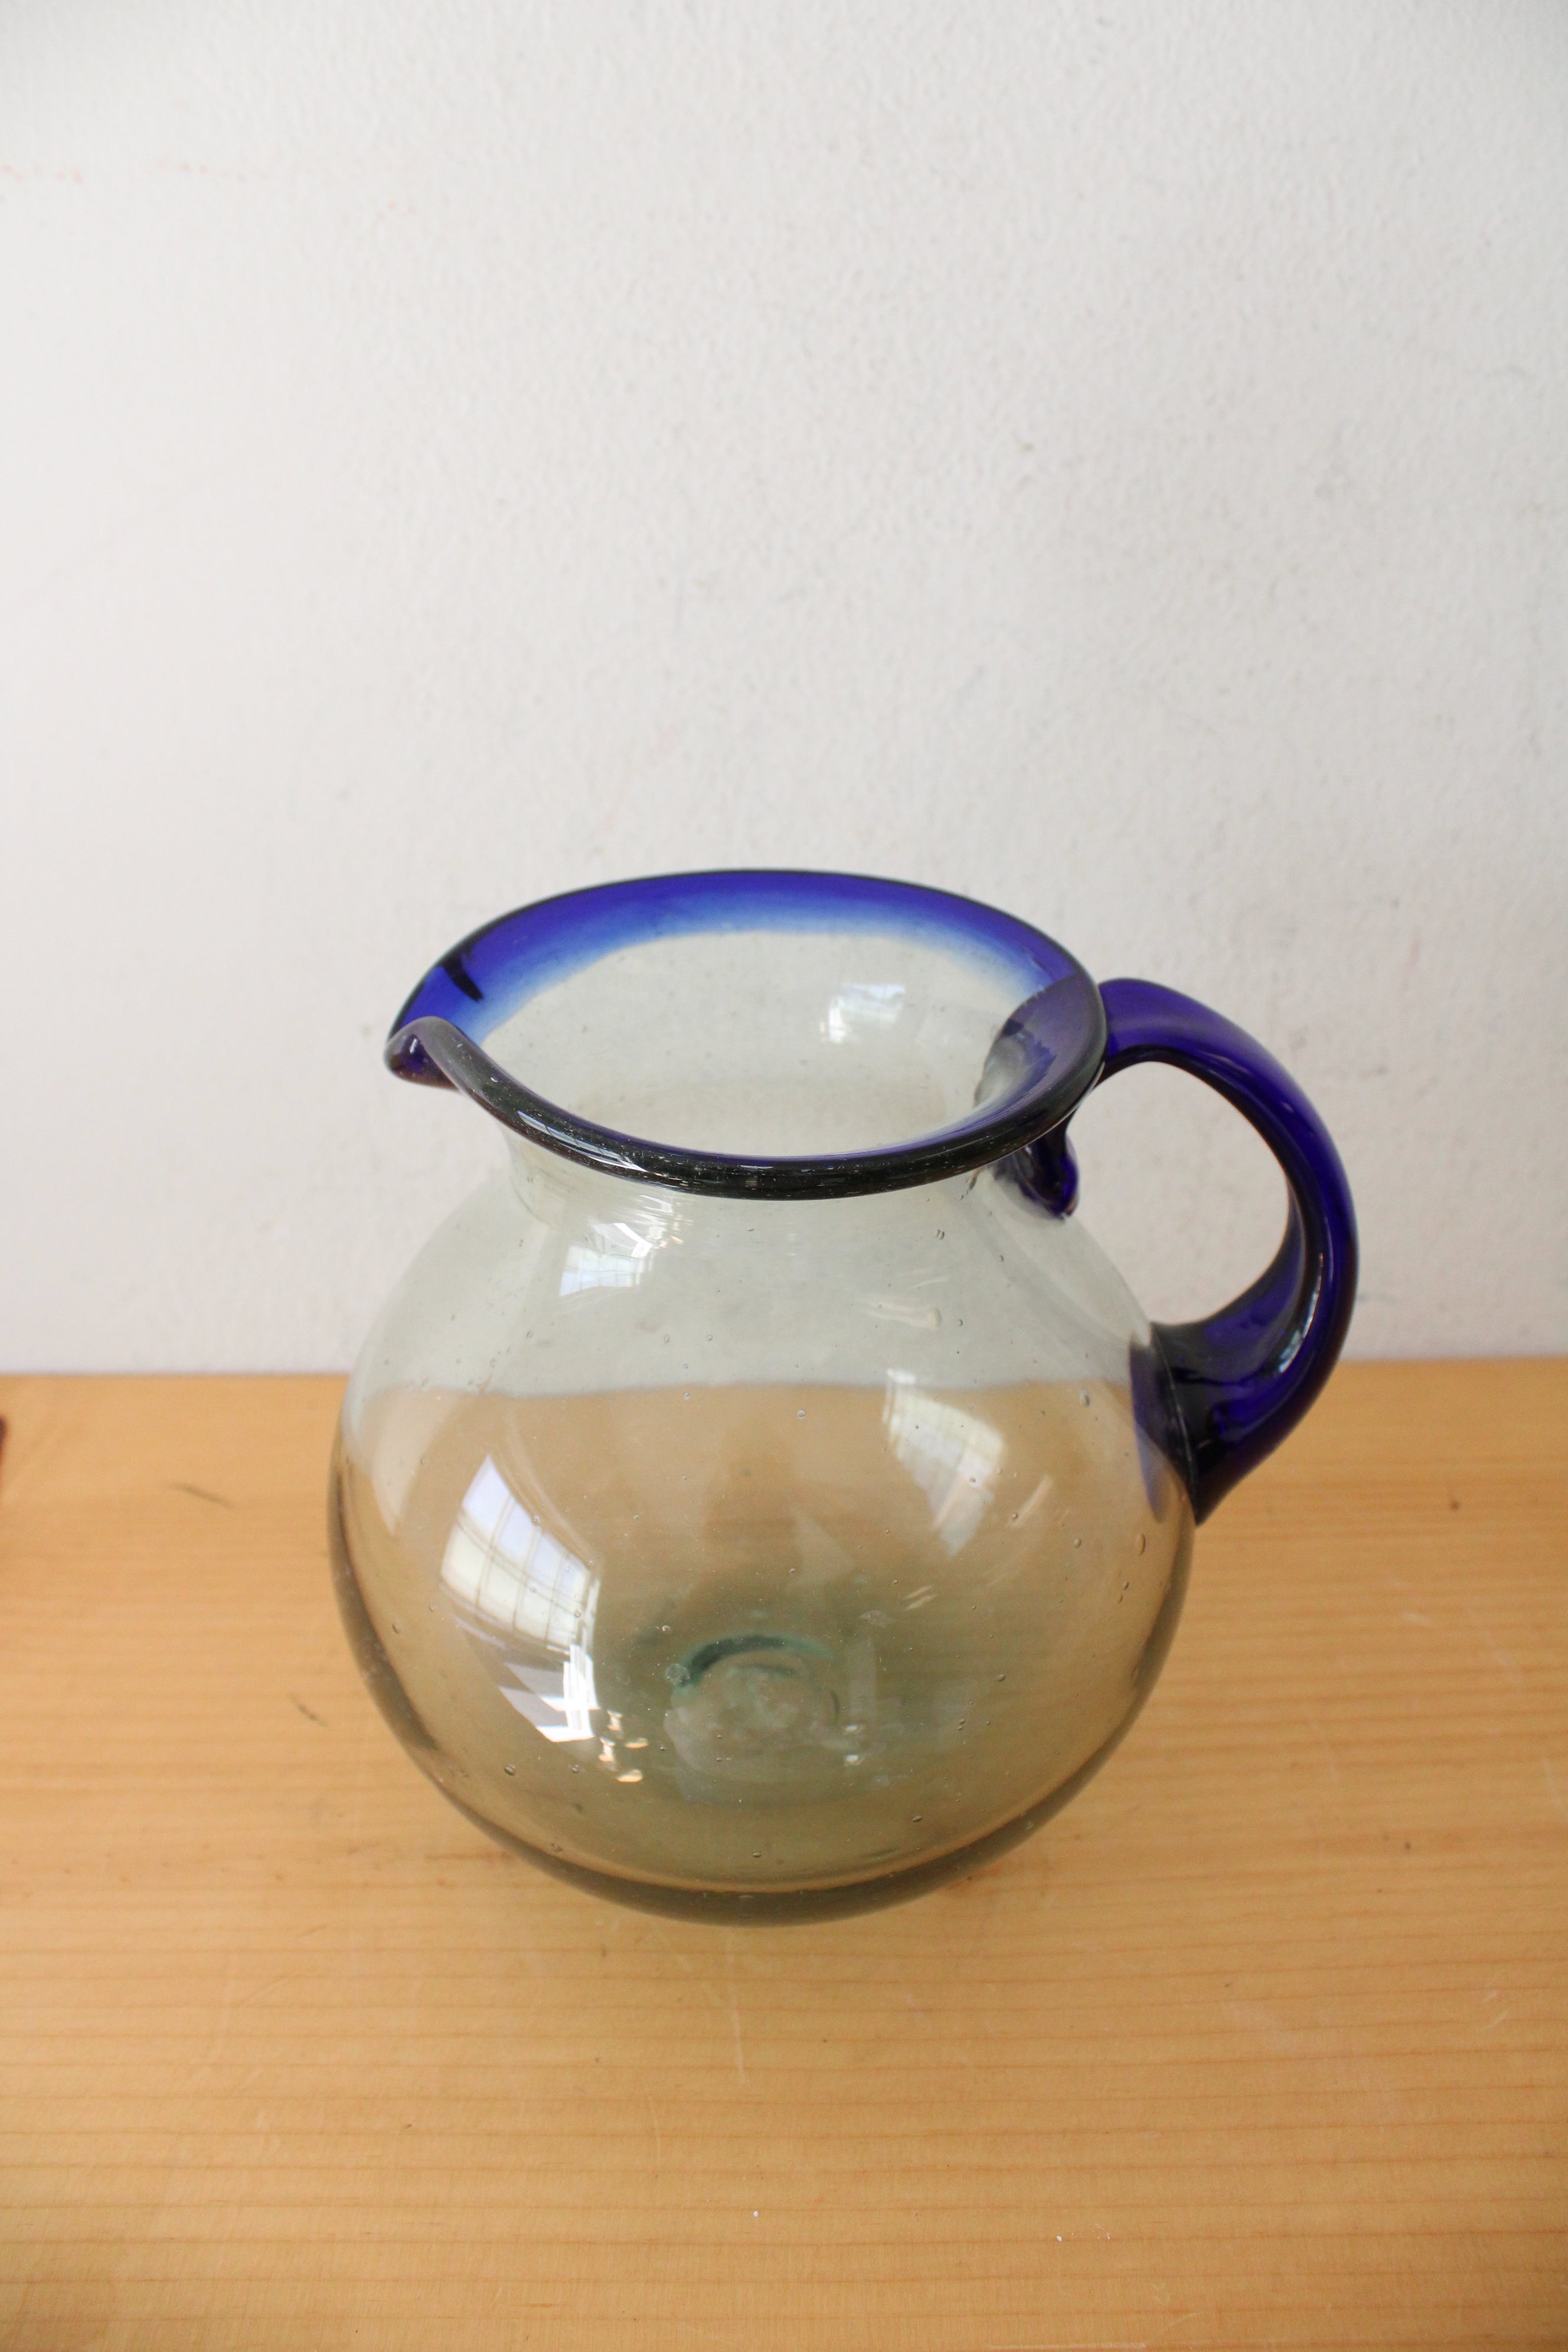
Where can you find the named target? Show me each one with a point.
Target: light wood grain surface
(1261, 2043)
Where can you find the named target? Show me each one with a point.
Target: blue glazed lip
(1050, 1049)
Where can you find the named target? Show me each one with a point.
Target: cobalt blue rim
(1047, 1055)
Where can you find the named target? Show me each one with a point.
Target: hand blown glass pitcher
(762, 1499)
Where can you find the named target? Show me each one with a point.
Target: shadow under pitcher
(762, 1499)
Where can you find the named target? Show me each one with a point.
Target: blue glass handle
(1241, 1380)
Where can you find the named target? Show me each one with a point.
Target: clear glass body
(761, 1558)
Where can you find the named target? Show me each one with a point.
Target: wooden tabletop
(1261, 2043)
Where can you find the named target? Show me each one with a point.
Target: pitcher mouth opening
(762, 1034)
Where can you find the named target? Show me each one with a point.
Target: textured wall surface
(1112, 460)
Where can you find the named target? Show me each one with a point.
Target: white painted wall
(1110, 458)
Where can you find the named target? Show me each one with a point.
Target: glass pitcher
(762, 1499)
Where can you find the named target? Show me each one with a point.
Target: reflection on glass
(617, 1260)
(952, 1454)
(505, 1571)
(510, 1571)
(559, 1701)
(862, 1004)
